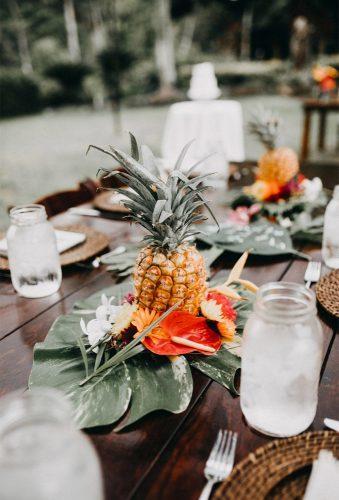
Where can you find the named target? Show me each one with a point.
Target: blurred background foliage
(58, 52)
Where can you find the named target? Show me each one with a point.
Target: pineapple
(169, 268)
(278, 164)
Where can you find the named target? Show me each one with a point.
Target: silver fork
(312, 273)
(220, 462)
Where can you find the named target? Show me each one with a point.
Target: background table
(163, 455)
(322, 107)
(217, 127)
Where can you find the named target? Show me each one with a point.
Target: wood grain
(186, 456)
(162, 456)
(15, 311)
(131, 454)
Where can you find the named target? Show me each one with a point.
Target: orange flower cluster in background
(273, 191)
(325, 76)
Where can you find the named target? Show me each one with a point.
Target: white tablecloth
(216, 126)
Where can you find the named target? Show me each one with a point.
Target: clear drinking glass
(42, 455)
(281, 360)
(330, 247)
(32, 253)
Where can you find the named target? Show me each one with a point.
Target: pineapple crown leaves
(167, 207)
(266, 125)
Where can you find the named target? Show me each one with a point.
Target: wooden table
(322, 107)
(163, 455)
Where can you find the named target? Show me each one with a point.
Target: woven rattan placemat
(103, 201)
(327, 291)
(95, 243)
(278, 470)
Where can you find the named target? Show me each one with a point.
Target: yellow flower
(123, 318)
(142, 318)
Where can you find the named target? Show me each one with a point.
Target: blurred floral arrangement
(280, 192)
(325, 78)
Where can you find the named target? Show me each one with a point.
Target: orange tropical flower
(262, 190)
(227, 329)
(142, 318)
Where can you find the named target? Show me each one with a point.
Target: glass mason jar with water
(42, 455)
(32, 252)
(330, 247)
(281, 360)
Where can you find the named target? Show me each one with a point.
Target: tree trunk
(23, 47)
(116, 99)
(187, 37)
(300, 42)
(73, 44)
(98, 35)
(164, 47)
(246, 30)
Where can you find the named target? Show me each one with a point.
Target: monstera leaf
(58, 363)
(157, 384)
(264, 238)
(221, 367)
(133, 389)
(148, 382)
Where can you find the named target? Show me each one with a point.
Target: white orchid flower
(95, 330)
(106, 311)
(312, 188)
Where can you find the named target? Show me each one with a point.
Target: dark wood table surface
(163, 455)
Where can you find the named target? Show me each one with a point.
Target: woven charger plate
(103, 201)
(279, 470)
(327, 291)
(95, 242)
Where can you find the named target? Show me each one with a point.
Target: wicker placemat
(95, 242)
(279, 470)
(103, 201)
(327, 291)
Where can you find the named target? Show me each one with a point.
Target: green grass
(46, 152)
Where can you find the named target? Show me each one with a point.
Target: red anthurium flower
(181, 333)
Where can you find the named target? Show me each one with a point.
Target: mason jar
(281, 360)
(32, 252)
(42, 455)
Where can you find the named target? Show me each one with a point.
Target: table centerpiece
(280, 193)
(136, 350)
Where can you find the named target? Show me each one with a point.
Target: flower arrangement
(134, 354)
(280, 191)
(325, 77)
(125, 329)
(128, 361)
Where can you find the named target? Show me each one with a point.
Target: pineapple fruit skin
(162, 278)
(278, 165)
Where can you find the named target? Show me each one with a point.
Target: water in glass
(281, 360)
(330, 247)
(42, 455)
(33, 257)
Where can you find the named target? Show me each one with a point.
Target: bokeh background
(75, 72)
